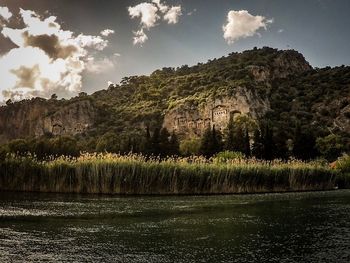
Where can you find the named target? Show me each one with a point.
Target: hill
(270, 85)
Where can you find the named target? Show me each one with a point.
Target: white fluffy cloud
(162, 7)
(149, 14)
(47, 59)
(5, 13)
(173, 14)
(241, 24)
(107, 32)
(140, 37)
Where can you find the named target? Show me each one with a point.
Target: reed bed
(136, 174)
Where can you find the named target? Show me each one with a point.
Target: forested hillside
(246, 101)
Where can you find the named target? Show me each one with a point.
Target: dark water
(297, 227)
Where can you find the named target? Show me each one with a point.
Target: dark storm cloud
(50, 44)
(26, 76)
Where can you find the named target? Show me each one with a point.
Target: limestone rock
(189, 119)
(36, 117)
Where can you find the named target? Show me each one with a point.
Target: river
(289, 227)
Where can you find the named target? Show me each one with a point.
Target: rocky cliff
(189, 119)
(34, 118)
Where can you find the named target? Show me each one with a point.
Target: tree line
(242, 135)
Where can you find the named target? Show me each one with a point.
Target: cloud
(162, 8)
(5, 13)
(241, 24)
(172, 16)
(139, 37)
(47, 59)
(147, 12)
(99, 66)
(192, 12)
(50, 45)
(150, 14)
(107, 32)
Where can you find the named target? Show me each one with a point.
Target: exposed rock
(71, 119)
(37, 117)
(343, 120)
(189, 119)
(286, 63)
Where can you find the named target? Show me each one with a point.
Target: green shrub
(227, 156)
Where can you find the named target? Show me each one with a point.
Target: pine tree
(238, 144)
(206, 143)
(269, 144)
(246, 141)
(211, 142)
(146, 146)
(229, 143)
(216, 140)
(257, 147)
(155, 142)
(304, 144)
(164, 144)
(174, 144)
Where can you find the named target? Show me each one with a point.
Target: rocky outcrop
(189, 119)
(342, 121)
(286, 63)
(33, 118)
(71, 119)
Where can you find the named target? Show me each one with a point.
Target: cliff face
(70, 119)
(38, 117)
(285, 64)
(190, 119)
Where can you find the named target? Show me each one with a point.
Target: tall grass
(342, 165)
(134, 174)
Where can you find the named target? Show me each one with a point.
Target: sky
(64, 47)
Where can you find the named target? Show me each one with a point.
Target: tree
(216, 140)
(53, 97)
(206, 143)
(229, 143)
(268, 143)
(109, 142)
(331, 146)
(211, 142)
(164, 143)
(190, 146)
(155, 142)
(238, 143)
(19, 146)
(304, 144)
(258, 146)
(246, 142)
(146, 145)
(64, 145)
(174, 144)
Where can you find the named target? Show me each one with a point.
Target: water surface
(293, 227)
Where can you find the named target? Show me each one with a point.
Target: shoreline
(173, 195)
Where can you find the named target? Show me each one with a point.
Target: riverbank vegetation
(136, 174)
